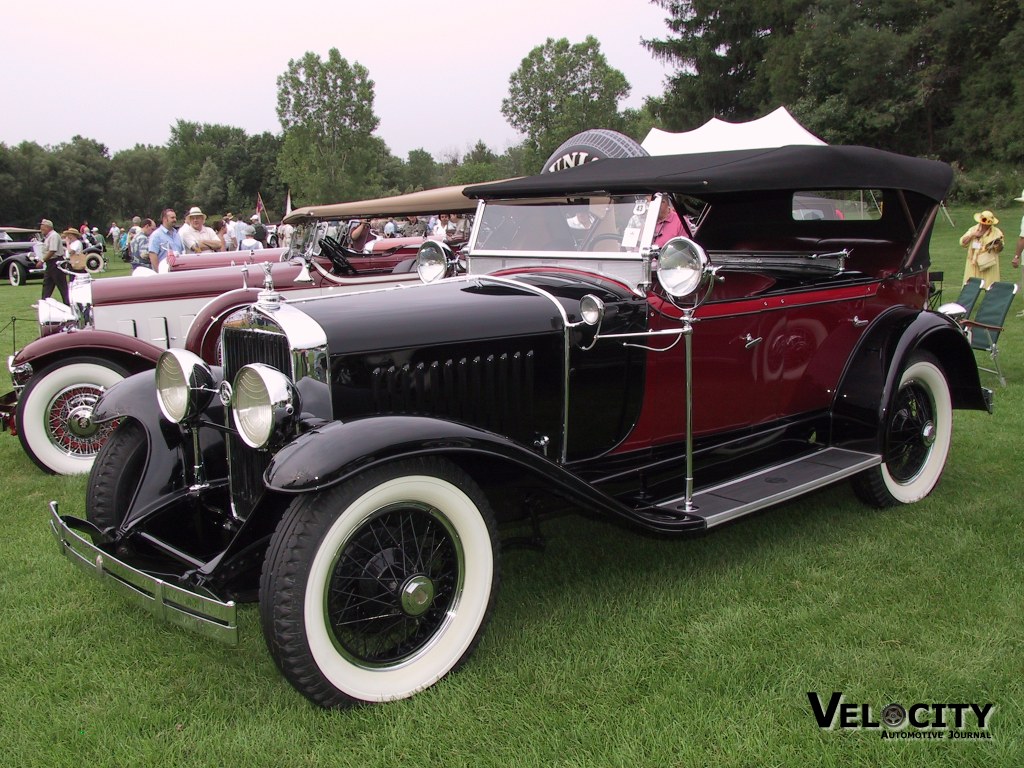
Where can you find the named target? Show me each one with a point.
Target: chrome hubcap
(80, 422)
(928, 433)
(417, 595)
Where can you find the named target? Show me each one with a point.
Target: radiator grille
(491, 391)
(250, 345)
(242, 346)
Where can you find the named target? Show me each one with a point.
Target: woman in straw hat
(984, 243)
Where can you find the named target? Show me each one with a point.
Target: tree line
(936, 78)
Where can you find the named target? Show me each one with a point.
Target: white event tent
(778, 129)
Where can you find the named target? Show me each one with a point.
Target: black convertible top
(712, 174)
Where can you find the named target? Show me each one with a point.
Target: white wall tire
(54, 414)
(327, 567)
(16, 274)
(917, 434)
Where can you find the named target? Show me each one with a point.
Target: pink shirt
(668, 228)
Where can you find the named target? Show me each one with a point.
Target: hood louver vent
(493, 391)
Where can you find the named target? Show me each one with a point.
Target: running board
(772, 485)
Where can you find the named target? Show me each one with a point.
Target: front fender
(873, 374)
(98, 343)
(169, 455)
(332, 454)
(204, 330)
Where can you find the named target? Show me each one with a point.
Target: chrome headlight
(432, 261)
(184, 385)
(264, 404)
(591, 309)
(682, 266)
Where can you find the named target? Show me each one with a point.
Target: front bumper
(8, 407)
(187, 608)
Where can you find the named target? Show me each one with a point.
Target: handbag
(986, 259)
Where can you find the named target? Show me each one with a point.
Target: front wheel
(115, 475)
(54, 414)
(376, 589)
(917, 432)
(17, 274)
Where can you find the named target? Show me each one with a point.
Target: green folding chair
(961, 309)
(983, 331)
(935, 289)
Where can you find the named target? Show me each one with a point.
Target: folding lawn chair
(983, 331)
(961, 309)
(935, 289)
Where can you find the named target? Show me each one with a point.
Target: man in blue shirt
(164, 240)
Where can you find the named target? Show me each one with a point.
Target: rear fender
(874, 371)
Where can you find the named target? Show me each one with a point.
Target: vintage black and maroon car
(350, 464)
(119, 326)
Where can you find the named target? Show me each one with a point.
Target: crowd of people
(147, 245)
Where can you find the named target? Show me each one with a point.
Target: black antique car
(351, 465)
(18, 259)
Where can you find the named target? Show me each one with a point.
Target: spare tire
(590, 145)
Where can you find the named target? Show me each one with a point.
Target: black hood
(451, 311)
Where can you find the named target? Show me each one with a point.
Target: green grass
(609, 649)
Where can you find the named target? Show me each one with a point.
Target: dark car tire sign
(595, 144)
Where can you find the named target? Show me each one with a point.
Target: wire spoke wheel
(55, 413)
(911, 432)
(378, 587)
(917, 428)
(394, 585)
(69, 423)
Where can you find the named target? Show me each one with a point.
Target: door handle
(858, 323)
(749, 341)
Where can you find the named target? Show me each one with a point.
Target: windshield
(605, 225)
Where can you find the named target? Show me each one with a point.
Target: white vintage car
(119, 326)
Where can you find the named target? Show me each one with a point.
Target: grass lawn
(608, 649)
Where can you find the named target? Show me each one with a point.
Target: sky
(123, 73)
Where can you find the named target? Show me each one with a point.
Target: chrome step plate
(773, 485)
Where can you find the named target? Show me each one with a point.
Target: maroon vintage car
(119, 326)
(668, 341)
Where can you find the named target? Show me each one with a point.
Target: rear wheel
(17, 274)
(916, 439)
(115, 475)
(376, 589)
(54, 414)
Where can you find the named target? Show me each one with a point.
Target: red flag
(260, 208)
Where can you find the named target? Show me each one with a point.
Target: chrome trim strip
(199, 613)
(565, 348)
(634, 273)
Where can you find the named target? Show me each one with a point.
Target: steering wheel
(338, 256)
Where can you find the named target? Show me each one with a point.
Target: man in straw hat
(196, 237)
(53, 251)
(984, 243)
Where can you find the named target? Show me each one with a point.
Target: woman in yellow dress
(984, 243)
